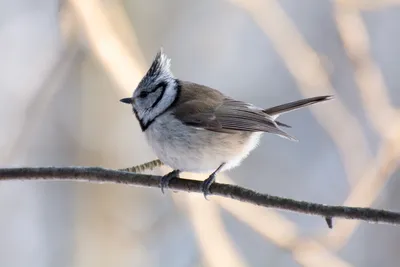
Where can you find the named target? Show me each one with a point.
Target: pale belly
(190, 149)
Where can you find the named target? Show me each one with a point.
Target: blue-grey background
(65, 65)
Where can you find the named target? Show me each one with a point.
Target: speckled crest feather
(160, 68)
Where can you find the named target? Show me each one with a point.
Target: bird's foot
(164, 182)
(205, 186)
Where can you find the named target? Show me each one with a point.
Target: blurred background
(65, 65)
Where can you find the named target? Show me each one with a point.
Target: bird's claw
(164, 182)
(205, 186)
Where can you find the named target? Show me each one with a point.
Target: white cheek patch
(155, 104)
(168, 97)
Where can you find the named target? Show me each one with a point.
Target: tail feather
(278, 110)
(283, 124)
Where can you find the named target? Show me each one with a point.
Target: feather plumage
(207, 108)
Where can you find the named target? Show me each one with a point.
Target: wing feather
(227, 115)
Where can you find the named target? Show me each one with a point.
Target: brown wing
(193, 91)
(226, 115)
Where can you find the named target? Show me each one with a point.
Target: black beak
(127, 100)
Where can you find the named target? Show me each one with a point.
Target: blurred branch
(312, 79)
(368, 76)
(311, 253)
(95, 174)
(38, 104)
(382, 115)
(366, 191)
(212, 229)
(283, 233)
(369, 5)
(115, 56)
(267, 222)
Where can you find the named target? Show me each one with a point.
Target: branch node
(329, 221)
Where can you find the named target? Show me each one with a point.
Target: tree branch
(101, 175)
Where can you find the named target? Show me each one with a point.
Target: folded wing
(227, 115)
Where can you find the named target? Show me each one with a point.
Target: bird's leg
(205, 186)
(164, 182)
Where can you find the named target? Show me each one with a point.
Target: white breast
(197, 150)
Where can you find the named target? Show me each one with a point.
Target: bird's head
(156, 91)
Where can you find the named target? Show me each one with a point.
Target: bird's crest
(160, 68)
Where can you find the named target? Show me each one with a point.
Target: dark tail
(278, 110)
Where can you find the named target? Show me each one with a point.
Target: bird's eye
(143, 94)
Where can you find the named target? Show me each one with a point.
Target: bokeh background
(65, 64)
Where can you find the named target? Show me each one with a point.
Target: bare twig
(95, 174)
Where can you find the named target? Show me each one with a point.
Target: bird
(195, 128)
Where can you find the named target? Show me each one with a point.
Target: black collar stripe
(143, 125)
